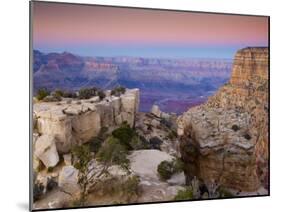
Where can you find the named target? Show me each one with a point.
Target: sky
(107, 31)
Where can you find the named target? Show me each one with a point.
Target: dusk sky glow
(107, 31)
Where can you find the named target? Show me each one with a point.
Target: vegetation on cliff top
(118, 91)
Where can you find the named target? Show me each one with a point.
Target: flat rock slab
(144, 163)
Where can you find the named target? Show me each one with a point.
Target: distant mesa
(171, 83)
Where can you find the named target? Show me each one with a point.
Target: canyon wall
(225, 141)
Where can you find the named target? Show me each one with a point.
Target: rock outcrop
(144, 164)
(225, 141)
(68, 180)
(156, 111)
(46, 151)
(73, 121)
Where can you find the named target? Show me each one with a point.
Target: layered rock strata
(225, 141)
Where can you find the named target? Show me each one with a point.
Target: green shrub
(139, 142)
(42, 93)
(167, 168)
(69, 94)
(87, 93)
(113, 152)
(178, 165)
(118, 91)
(128, 188)
(82, 155)
(131, 186)
(124, 134)
(185, 194)
(58, 93)
(52, 98)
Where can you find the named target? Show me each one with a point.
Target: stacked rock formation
(225, 141)
(71, 122)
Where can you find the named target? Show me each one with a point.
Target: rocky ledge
(60, 125)
(225, 141)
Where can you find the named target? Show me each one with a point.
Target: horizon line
(143, 57)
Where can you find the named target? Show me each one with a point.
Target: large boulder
(46, 151)
(68, 180)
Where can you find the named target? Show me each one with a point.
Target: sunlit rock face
(75, 121)
(225, 141)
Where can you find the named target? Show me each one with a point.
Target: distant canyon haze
(173, 84)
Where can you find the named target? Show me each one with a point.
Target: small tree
(69, 94)
(87, 93)
(87, 177)
(167, 168)
(118, 91)
(42, 93)
(113, 152)
(57, 93)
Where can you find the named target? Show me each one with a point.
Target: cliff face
(71, 122)
(225, 141)
(248, 91)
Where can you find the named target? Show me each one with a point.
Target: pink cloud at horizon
(82, 24)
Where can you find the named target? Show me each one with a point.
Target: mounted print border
(136, 105)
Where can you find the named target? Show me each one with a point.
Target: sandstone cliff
(225, 141)
(71, 122)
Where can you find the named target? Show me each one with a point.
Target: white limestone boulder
(46, 151)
